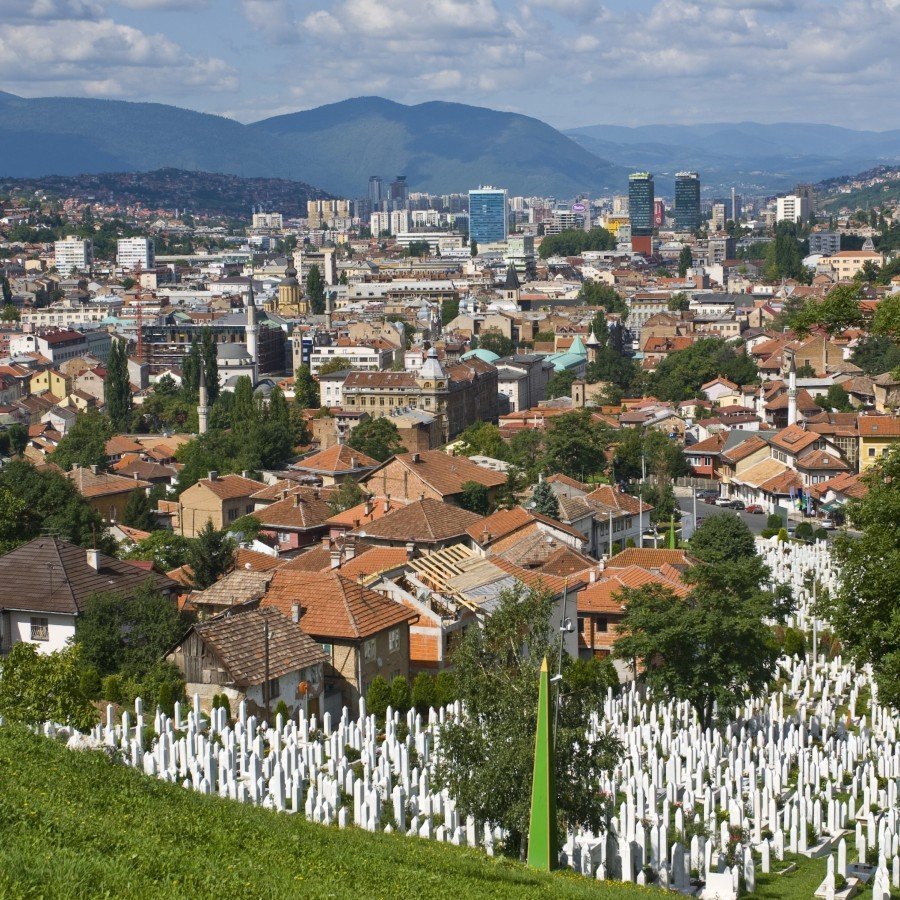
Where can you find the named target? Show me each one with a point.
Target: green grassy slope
(78, 825)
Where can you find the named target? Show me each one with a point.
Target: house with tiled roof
(45, 584)
(424, 523)
(362, 632)
(253, 655)
(220, 499)
(512, 524)
(703, 457)
(297, 520)
(877, 434)
(432, 474)
(337, 464)
(106, 492)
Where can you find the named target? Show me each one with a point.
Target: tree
(6, 290)
(487, 756)
(649, 452)
(315, 291)
(449, 310)
(864, 610)
(244, 413)
(574, 241)
(543, 500)
(886, 320)
(210, 360)
(418, 248)
(574, 445)
(378, 438)
(138, 512)
(378, 697)
(10, 313)
(37, 688)
(679, 302)
(473, 248)
(117, 387)
(474, 497)
(713, 645)
(783, 256)
(681, 374)
(685, 261)
(560, 384)
(306, 388)
(128, 635)
(335, 364)
(876, 354)
(483, 439)
(166, 549)
(210, 556)
(837, 399)
(837, 311)
(593, 293)
(496, 342)
(348, 495)
(52, 505)
(85, 442)
(401, 698)
(423, 694)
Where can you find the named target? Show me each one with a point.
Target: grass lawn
(78, 825)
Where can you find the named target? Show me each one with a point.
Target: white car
(827, 524)
(723, 501)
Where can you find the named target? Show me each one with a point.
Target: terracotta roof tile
(425, 521)
(229, 487)
(337, 460)
(447, 474)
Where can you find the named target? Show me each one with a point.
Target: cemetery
(797, 796)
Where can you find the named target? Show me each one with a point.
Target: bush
(281, 710)
(423, 693)
(165, 698)
(400, 696)
(793, 642)
(444, 688)
(91, 685)
(151, 685)
(804, 532)
(820, 534)
(782, 534)
(378, 697)
(774, 522)
(111, 689)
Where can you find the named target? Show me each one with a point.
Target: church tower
(434, 387)
(290, 295)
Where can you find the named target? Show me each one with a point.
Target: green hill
(78, 825)
(441, 147)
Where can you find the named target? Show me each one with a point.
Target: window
(369, 650)
(871, 451)
(394, 640)
(40, 629)
(328, 650)
(601, 624)
(274, 688)
(249, 508)
(232, 515)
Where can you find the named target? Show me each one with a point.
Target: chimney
(485, 536)
(335, 559)
(349, 548)
(593, 576)
(245, 473)
(316, 493)
(368, 507)
(353, 462)
(387, 503)
(326, 542)
(93, 559)
(213, 475)
(95, 469)
(296, 499)
(135, 476)
(295, 612)
(415, 457)
(410, 549)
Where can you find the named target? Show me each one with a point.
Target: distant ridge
(441, 147)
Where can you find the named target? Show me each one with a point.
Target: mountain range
(440, 147)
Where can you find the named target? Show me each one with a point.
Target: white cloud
(48, 10)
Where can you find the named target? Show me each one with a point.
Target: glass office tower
(687, 201)
(488, 217)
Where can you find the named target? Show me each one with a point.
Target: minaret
(203, 405)
(252, 332)
(792, 393)
(329, 309)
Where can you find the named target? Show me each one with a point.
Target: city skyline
(569, 64)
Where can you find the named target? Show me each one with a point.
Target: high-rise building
(687, 201)
(488, 218)
(375, 187)
(399, 191)
(73, 253)
(640, 211)
(135, 253)
(719, 215)
(792, 208)
(825, 242)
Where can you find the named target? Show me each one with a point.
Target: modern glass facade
(687, 201)
(640, 203)
(488, 221)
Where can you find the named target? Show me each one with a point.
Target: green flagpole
(542, 850)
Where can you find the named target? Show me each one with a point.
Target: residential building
(107, 493)
(235, 652)
(826, 243)
(488, 215)
(687, 201)
(45, 584)
(792, 208)
(220, 499)
(848, 262)
(523, 378)
(357, 357)
(73, 254)
(135, 254)
(877, 434)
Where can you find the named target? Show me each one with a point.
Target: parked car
(711, 499)
(737, 504)
(754, 508)
(723, 501)
(707, 494)
(827, 524)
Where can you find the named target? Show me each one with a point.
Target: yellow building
(49, 381)
(877, 434)
(848, 262)
(220, 499)
(290, 294)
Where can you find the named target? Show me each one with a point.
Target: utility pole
(266, 697)
(694, 494)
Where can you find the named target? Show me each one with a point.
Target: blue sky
(569, 62)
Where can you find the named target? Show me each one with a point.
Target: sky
(568, 62)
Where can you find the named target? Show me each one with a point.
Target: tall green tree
(377, 438)
(85, 442)
(877, 354)
(865, 610)
(315, 291)
(714, 646)
(496, 342)
(685, 260)
(593, 293)
(348, 495)
(128, 635)
(560, 385)
(474, 497)
(681, 374)
(244, 412)
(573, 241)
(210, 364)
(211, 556)
(117, 387)
(166, 549)
(483, 439)
(487, 757)
(784, 258)
(575, 444)
(138, 512)
(544, 501)
(306, 388)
